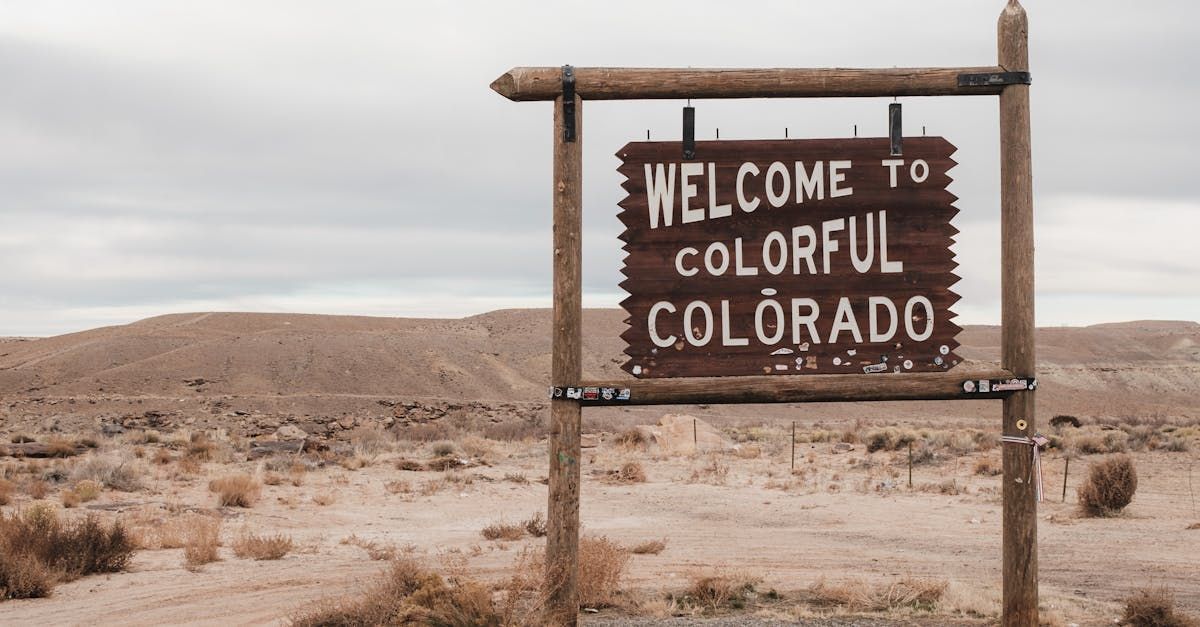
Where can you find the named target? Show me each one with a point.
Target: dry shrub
(649, 547)
(376, 550)
(236, 490)
(69, 499)
(632, 438)
(443, 449)
(296, 473)
(516, 477)
(410, 594)
(162, 457)
(125, 476)
(1154, 607)
(629, 472)
(1109, 487)
(272, 478)
(6, 491)
(535, 525)
(988, 466)
(88, 490)
(503, 531)
(714, 590)
(860, 595)
(889, 439)
(409, 465)
(262, 547)
(602, 563)
(61, 447)
(37, 489)
(201, 540)
(188, 466)
(324, 498)
(200, 447)
(400, 486)
(37, 550)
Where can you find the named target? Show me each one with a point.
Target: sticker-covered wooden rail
(598, 83)
(799, 388)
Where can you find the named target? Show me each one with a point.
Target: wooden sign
(788, 257)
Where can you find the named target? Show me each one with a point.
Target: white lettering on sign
(810, 181)
(776, 248)
(796, 323)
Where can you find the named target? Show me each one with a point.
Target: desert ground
(359, 443)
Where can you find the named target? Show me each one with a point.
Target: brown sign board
(788, 257)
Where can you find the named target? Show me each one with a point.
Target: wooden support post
(1017, 334)
(562, 528)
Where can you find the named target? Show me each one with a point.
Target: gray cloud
(350, 158)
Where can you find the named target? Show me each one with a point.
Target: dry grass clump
(6, 491)
(38, 550)
(503, 531)
(411, 594)
(602, 563)
(1109, 487)
(988, 466)
(444, 448)
(201, 539)
(236, 490)
(324, 498)
(535, 525)
(516, 477)
(889, 439)
(632, 438)
(61, 447)
(649, 547)
(376, 550)
(1154, 607)
(121, 475)
(629, 472)
(262, 547)
(36, 488)
(200, 447)
(715, 590)
(860, 595)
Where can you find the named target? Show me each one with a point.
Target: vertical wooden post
(562, 529)
(1017, 334)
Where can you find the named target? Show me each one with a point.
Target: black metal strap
(689, 133)
(895, 129)
(994, 79)
(568, 90)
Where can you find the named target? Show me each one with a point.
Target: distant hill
(504, 356)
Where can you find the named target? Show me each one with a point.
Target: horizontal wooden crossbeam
(546, 83)
(801, 388)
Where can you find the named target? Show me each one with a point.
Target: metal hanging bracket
(568, 91)
(689, 132)
(994, 79)
(895, 129)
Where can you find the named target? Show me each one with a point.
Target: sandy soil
(851, 515)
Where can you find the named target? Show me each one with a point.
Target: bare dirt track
(844, 515)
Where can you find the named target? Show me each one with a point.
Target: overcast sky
(349, 157)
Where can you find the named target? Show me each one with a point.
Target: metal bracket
(689, 133)
(895, 129)
(975, 387)
(568, 91)
(994, 79)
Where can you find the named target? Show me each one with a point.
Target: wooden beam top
(545, 83)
